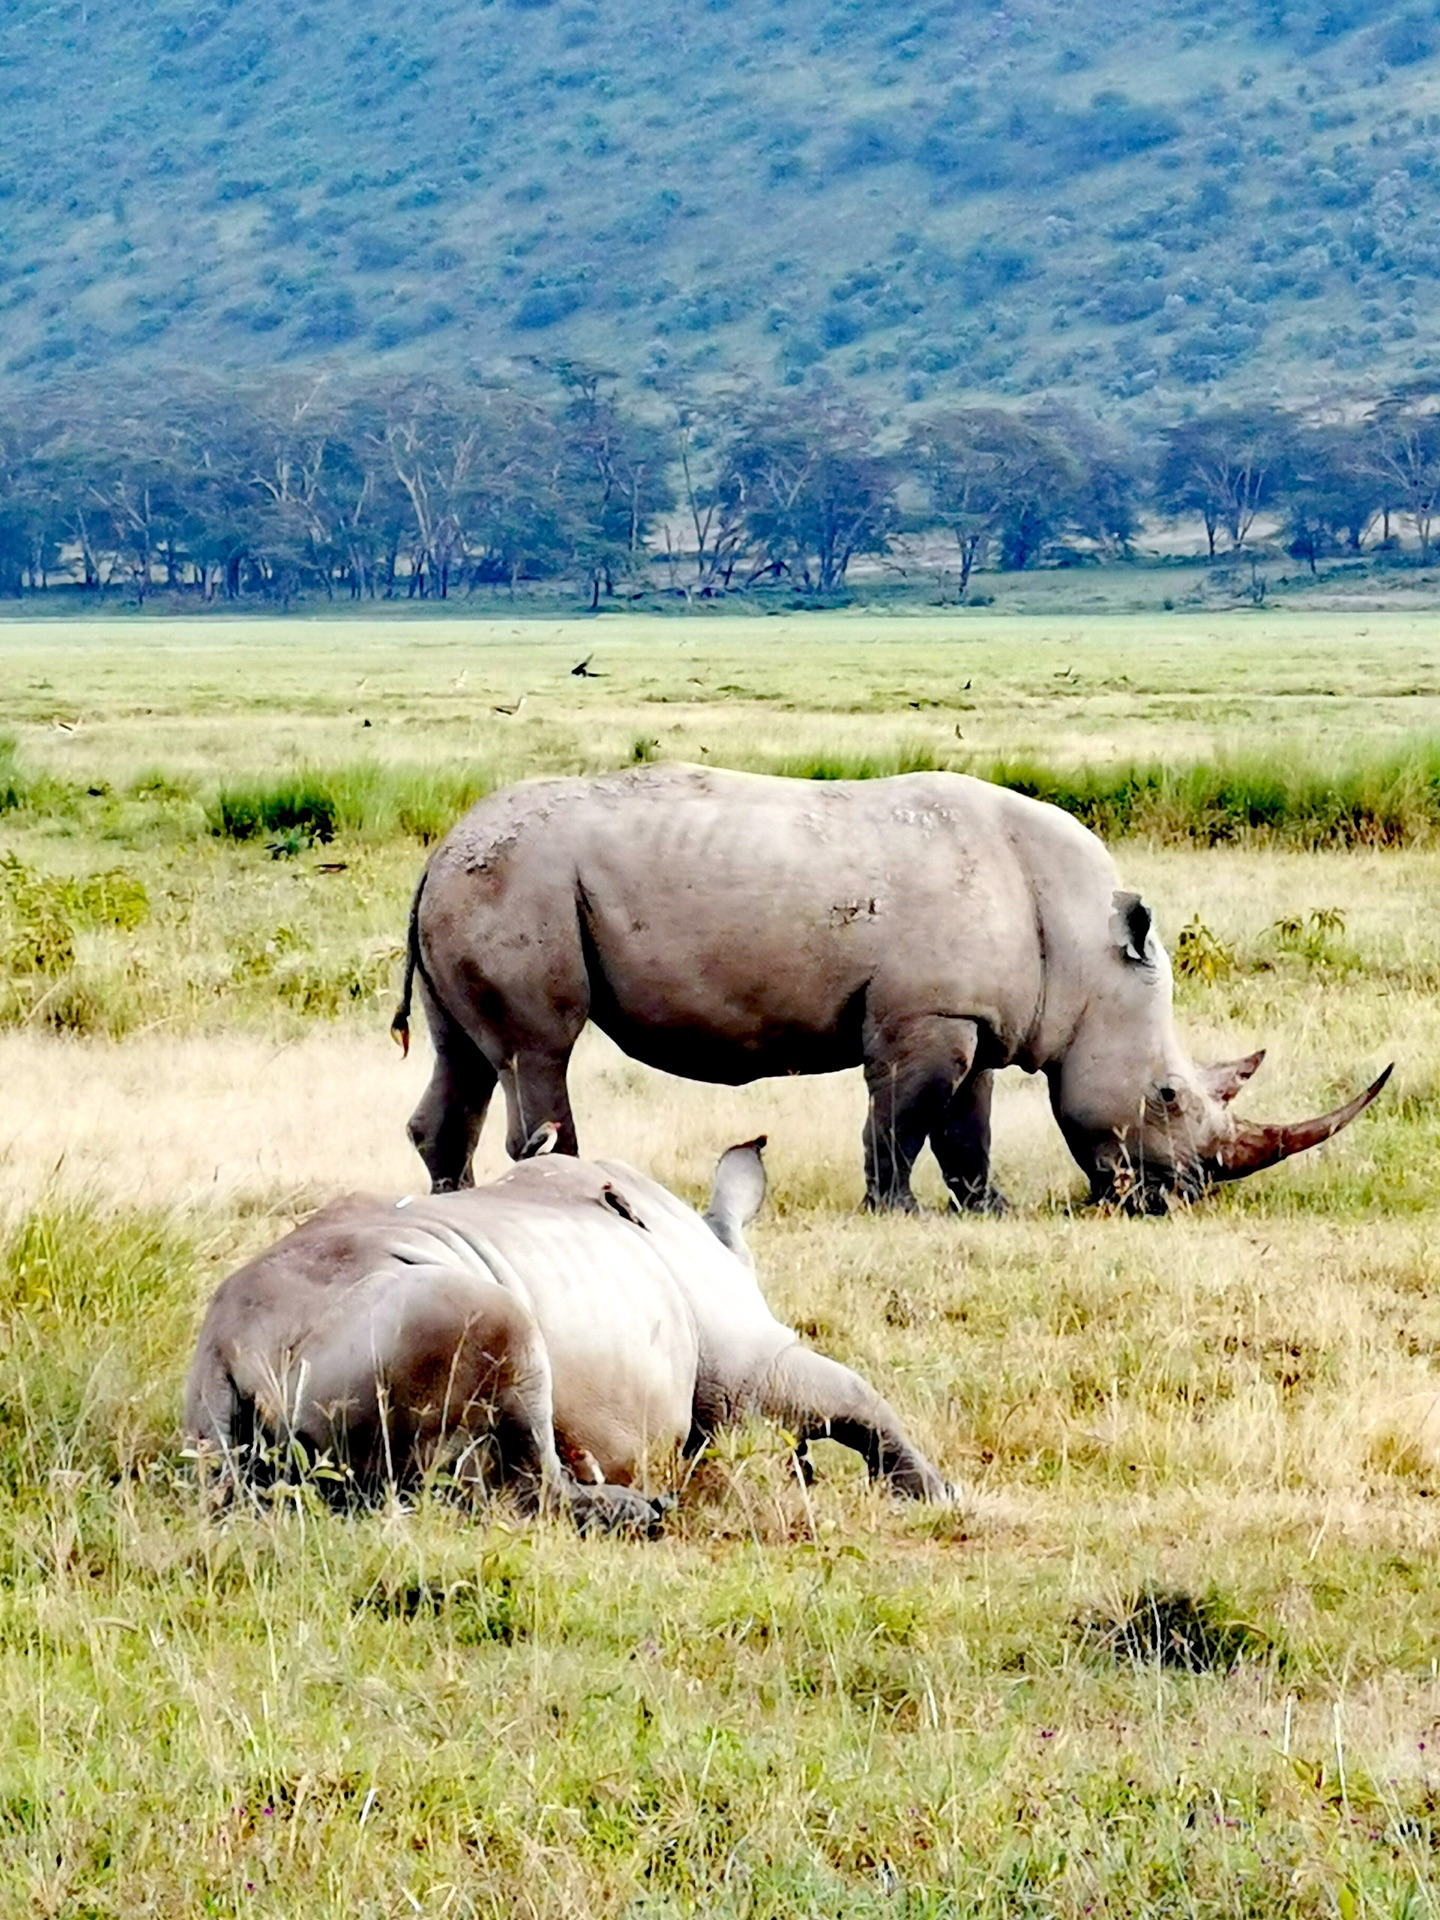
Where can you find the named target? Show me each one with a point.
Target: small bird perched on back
(611, 1196)
(542, 1140)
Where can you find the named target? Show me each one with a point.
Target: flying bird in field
(509, 712)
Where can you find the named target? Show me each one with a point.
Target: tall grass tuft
(1386, 801)
(367, 798)
(909, 757)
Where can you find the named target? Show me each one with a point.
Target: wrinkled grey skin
(554, 1331)
(724, 926)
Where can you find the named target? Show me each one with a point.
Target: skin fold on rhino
(930, 928)
(555, 1331)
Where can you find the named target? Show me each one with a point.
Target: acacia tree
(615, 480)
(1404, 457)
(30, 520)
(712, 495)
(433, 444)
(1101, 476)
(1226, 467)
(814, 493)
(1329, 491)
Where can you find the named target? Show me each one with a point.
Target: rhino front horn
(1254, 1148)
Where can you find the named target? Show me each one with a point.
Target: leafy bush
(41, 914)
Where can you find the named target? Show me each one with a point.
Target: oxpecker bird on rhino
(930, 928)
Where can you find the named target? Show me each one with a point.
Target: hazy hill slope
(925, 199)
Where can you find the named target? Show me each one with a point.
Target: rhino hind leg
(445, 1126)
(912, 1071)
(536, 1092)
(960, 1142)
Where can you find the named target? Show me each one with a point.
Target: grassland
(1176, 1650)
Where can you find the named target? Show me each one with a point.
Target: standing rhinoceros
(558, 1328)
(724, 926)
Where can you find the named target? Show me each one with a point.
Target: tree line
(423, 488)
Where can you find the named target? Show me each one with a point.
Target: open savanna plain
(1176, 1649)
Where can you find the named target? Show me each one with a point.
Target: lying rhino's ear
(736, 1195)
(1130, 925)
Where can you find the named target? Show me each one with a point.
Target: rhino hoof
(989, 1200)
(611, 1509)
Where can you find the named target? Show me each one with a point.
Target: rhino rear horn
(1256, 1147)
(1224, 1079)
(737, 1193)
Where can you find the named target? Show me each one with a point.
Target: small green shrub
(302, 805)
(42, 917)
(375, 801)
(321, 991)
(1201, 954)
(41, 914)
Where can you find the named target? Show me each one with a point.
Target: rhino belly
(726, 1046)
(725, 997)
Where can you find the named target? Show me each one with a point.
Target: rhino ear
(1130, 925)
(1224, 1079)
(736, 1195)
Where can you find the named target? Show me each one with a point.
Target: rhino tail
(400, 1025)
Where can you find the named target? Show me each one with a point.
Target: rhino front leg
(817, 1399)
(961, 1144)
(912, 1070)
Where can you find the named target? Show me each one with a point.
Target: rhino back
(726, 925)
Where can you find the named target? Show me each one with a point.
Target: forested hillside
(1133, 206)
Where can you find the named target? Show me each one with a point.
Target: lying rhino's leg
(446, 1125)
(960, 1142)
(817, 1399)
(912, 1068)
(535, 1088)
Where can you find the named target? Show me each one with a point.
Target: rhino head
(1142, 1119)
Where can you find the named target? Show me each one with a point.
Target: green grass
(1385, 799)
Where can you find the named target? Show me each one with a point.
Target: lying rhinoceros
(725, 926)
(553, 1330)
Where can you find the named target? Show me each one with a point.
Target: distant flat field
(1174, 1651)
(219, 695)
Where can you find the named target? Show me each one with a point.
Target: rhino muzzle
(1141, 1184)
